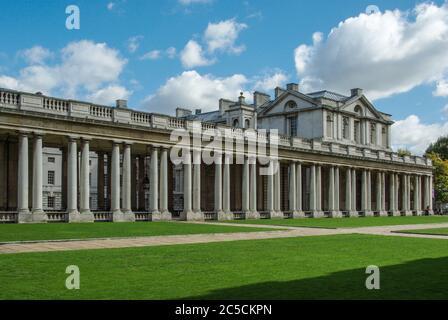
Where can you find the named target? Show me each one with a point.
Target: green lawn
(60, 231)
(436, 231)
(326, 267)
(349, 222)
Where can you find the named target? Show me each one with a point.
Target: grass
(325, 267)
(349, 222)
(435, 231)
(61, 231)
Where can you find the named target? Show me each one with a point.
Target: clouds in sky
(193, 90)
(218, 37)
(190, 2)
(84, 69)
(384, 53)
(134, 43)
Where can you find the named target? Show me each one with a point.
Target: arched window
(329, 126)
(236, 123)
(358, 111)
(290, 105)
(247, 123)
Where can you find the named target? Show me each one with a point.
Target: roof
(328, 95)
(212, 116)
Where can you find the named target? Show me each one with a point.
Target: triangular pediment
(287, 102)
(368, 110)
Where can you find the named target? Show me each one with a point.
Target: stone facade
(113, 163)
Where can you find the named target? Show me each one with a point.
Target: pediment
(288, 102)
(362, 106)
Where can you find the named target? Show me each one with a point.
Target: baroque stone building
(333, 155)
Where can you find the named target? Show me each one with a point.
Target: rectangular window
(357, 132)
(292, 126)
(51, 159)
(345, 128)
(384, 136)
(373, 133)
(50, 179)
(50, 202)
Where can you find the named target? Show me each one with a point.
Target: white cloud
(190, 2)
(270, 81)
(84, 67)
(396, 50)
(441, 88)
(193, 56)
(221, 36)
(110, 5)
(171, 52)
(134, 43)
(416, 136)
(193, 90)
(151, 55)
(109, 95)
(36, 55)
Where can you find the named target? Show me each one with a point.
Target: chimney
(260, 98)
(122, 104)
(278, 92)
(198, 111)
(181, 112)
(293, 87)
(224, 105)
(356, 92)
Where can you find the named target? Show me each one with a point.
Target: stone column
(134, 182)
(154, 184)
(126, 188)
(141, 183)
(226, 186)
(245, 187)
(383, 195)
(416, 199)
(331, 192)
(72, 181)
(299, 208)
(397, 186)
(101, 205)
(117, 215)
(277, 191)
(404, 194)
(23, 180)
(164, 212)
(270, 193)
(337, 205)
(218, 190)
(37, 208)
(253, 190)
(197, 182)
(378, 193)
(86, 215)
(319, 213)
(348, 191)
(392, 193)
(313, 208)
(369, 194)
(354, 212)
(431, 209)
(187, 213)
(364, 199)
(292, 188)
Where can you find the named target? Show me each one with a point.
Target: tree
(440, 147)
(404, 152)
(440, 177)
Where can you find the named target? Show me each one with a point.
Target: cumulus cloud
(36, 55)
(193, 56)
(83, 68)
(171, 52)
(190, 2)
(221, 36)
(109, 94)
(416, 136)
(396, 50)
(151, 55)
(110, 6)
(193, 90)
(441, 88)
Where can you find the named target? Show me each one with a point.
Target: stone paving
(288, 232)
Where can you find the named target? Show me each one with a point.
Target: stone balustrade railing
(70, 108)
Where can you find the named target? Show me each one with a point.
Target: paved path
(208, 238)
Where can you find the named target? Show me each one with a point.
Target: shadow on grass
(419, 279)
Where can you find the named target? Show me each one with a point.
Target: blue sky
(232, 46)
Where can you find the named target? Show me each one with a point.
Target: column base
(368, 214)
(191, 216)
(418, 213)
(166, 216)
(335, 214)
(128, 216)
(353, 214)
(39, 216)
(224, 216)
(407, 213)
(252, 215)
(298, 215)
(76, 217)
(276, 215)
(317, 214)
(383, 214)
(155, 216)
(396, 213)
(119, 216)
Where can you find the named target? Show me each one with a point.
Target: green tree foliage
(404, 152)
(440, 147)
(440, 177)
